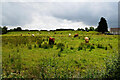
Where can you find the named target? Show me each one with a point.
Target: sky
(53, 15)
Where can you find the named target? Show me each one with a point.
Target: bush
(51, 46)
(100, 46)
(105, 48)
(79, 48)
(35, 46)
(45, 45)
(71, 48)
(61, 49)
(59, 54)
(110, 46)
(86, 46)
(39, 45)
(29, 46)
(92, 47)
(60, 45)
(39, 41)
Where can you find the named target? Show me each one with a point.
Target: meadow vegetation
(32, 57)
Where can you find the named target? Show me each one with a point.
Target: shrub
(39, 41)
(45, 45)
(59, 54)
(67, 46)
(61, 49)
(105, 48)
(43, 39)
(35, 46)
(29, 46)
(92, 47)
(17, 50)
(39, 45)
(79, 48)
(100, 46)
(51, 46)
(86, 46)
(60, 45)
(110, 46)
(71, 48)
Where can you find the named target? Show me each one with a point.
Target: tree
(102, 27)
(80, 29)
(0, 30)
(19, 29)
(86, 29)
(96, 29)
(15, 29)
(4, 30)
(91, 29)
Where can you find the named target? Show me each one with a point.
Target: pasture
(29, 56)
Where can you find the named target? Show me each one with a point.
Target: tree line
(102, 27)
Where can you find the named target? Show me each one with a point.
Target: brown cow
(51, 40)
(75, 35)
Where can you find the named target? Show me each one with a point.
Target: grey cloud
(20, 14)
(15, 14)
(88, 13)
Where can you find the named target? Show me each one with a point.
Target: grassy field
(32, 57)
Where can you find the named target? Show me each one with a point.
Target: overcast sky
(53, 15)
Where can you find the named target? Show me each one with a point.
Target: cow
(28, 33)
(33, 35)
(54, 32)
(20, 34)
(51, 40)
(75, 35)
(69, 34)
(86, 39)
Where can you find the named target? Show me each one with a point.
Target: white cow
(33, 35)
(69, 34)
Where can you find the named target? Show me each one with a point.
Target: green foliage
(79, 48)
(86, 46)
(19, 29)
(39, 45)
(29, 46)
(4, 30)
(91, 29)
(80, 29)
(35, 46)
(75, 60)
(100, 46)
(110, 46)
(102, 27)
(71, 48)
(60, 45)
(0, 30)
(86, 29)
(45, 45)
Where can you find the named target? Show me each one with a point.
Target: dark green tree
(19, 29)
(96, 29)
(80, 29)
(0, 30)
(102, 27)
(4, 30)
(91, 29)
(86, 29)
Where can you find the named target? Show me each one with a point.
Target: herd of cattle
(52, 40)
